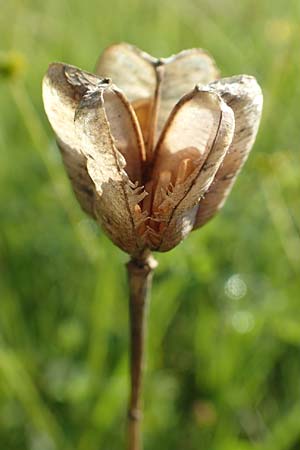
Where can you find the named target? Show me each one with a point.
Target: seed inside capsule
(161, 189)
(185, 168)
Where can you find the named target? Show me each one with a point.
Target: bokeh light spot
(236, 287)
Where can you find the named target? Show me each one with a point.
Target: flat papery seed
(158, 195)
(188, 135)
(243, 94)
(131, 69)
(117, 196)
(67, 91)
(147, 202)
(181, 73)
(185, 168)
(135, 72)
(125, 130)
(189, 132)
(137, 209)
(183, 215)
(142, 110)
(61, 100)
(161, 189)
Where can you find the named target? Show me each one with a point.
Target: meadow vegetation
(223, 365)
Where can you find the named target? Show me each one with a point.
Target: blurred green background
(223, 369)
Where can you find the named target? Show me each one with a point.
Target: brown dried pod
(152, 146)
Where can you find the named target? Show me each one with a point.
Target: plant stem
(140, 271)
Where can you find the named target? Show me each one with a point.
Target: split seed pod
(152, 146)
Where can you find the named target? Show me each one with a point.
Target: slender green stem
(140, 271)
